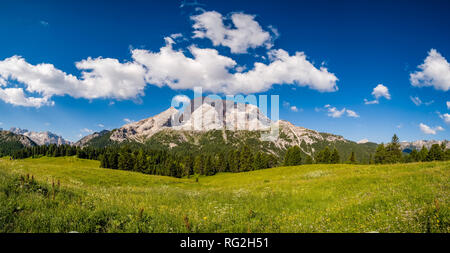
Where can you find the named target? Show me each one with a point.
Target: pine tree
(435, 153)
(380, 154)
(246, 159)
(113, 160)
(125, 160)
(423, 154)
(259, 162)
(414, 155)
(139, 164)
(293, 156)
(335, 158)
(393, 151)
(352, 158)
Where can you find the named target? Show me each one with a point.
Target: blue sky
(360, 43)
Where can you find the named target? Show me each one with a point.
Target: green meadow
(69, 194)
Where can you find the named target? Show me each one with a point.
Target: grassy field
(69, 194)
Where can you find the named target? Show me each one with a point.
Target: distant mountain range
(203, 127)
(41, 138)
(405, 145)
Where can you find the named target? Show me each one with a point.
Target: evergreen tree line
(158, 162)
(392, 153)
(293, 156)
(51, 150)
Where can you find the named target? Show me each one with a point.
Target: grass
(309, 198)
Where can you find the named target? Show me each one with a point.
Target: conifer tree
(435, 153)
(423, 154)
(352, 158)
(293, 156)
(380, 154)
(335, 158)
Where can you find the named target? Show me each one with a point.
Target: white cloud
(86, 130)
(101, 78)
(176, 35)
(379, 91)
(246, 34)
(211, 71)
(292, 108)
(429, 130)
(128, 120)
(352, 114)
(43, 23)
(204, 67)
(416, 100)
(448, 105)
(335, 113)
(371, 102)
(100, 125)
(435, 71)
(445, 117)
(16, 96)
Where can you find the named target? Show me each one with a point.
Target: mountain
(405, 145)
(41, 138)
(10, 142)
(204, 127)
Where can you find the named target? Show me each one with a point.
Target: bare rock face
(143, 129)
(85, 140)
(7, 136)
(41, 138)
(203, 115)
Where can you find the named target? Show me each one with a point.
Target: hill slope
(10, 142)
(308, 198)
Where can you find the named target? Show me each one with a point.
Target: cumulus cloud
(335, 113)
(16, 96)
(247, 33)
(379, 91)
(101, 78)
(294, 108)
(100, 125)
(177, 69)
(210, 70)
(448, 105)
(435, 72)
(429, 130)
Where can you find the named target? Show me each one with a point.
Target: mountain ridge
(41, 138)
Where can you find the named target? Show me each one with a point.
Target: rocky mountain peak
(41, 138)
